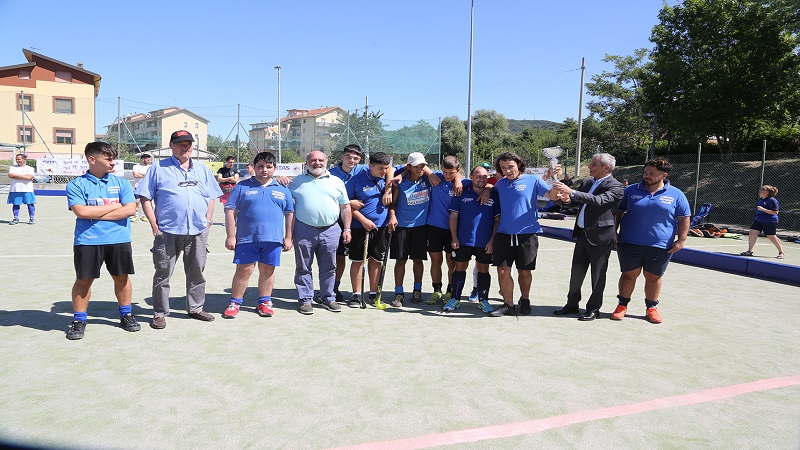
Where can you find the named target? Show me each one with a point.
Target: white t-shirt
(21, 185)
(141, 170)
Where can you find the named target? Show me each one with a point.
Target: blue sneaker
(451, 305)
(485, 306)
(473, 296)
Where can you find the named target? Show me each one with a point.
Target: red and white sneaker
(232, 311)
(265, 309)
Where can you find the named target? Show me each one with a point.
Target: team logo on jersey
(252, 192)
(667, 200)
(113, 189)
(417, 198)
(636, 197)
(279, 195)
(520, 187)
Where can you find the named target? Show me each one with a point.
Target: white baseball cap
(416, 158)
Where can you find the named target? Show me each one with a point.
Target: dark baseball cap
(181, 136)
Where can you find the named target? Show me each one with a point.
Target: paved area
(720, 372)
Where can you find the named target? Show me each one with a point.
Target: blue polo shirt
(413, 198)
(260, 210)
(770, 203)
(181, 196)
(517, 197)
(441, 196)
(92, 191)
(475, 221)
(652, 219)
(369, 190)
(317, 200)
(346, 177)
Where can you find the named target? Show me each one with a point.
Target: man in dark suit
(595, 233)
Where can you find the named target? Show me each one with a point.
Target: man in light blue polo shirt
(653, 219)
(184, 193)
(320, 200)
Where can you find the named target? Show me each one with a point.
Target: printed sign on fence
(289, 169)
(71, 166)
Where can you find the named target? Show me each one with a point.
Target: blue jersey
(413, 198)
(441, 196)
(518, 214)
(92, 191)
(369, 190)
(260, 211)
(475, 221)
(770, 203)
(345, 176)
(651, 219)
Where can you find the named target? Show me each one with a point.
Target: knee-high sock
(459, 278)
(15, 210)
(31, 210)
(484, 281)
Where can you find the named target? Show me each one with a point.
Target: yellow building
(46, 106)
(148, 131)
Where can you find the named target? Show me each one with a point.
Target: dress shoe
(202, 315)
(159, 322)
(589, 315)
(566, 310)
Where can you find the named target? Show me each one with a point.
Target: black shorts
(464, 254)
(377, 244)
(409, 243)
(652, 259)
(89, 258)
(439, 239)
(343, 249)
(518, 250)
(768, 228)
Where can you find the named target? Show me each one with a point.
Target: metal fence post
(697, 178)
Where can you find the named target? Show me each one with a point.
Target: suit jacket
(601, 205)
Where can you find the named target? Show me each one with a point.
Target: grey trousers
(310, 242)
(166, 249)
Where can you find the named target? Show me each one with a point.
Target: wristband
(346, 229)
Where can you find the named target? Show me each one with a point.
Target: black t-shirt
(227, 172)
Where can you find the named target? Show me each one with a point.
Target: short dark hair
(100, 148)
(145, 155)
(230, 158)
(354, 149)
(661, 164)
(380, 158)
(24, 156)
(267, 157)
(451, 162)
(509, 156)
(479, 166)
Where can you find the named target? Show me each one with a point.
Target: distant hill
(516, 126)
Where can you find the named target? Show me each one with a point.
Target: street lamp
(279, 113)
(655, 132)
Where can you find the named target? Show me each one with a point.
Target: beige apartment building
(151, 131)
(46, 107)
(302, 130)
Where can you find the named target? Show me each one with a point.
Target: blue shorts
(769, 228)
(652, 259)
(18, 198)
(264, 252)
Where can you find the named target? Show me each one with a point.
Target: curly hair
(509, 156)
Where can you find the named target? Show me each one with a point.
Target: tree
(621, 127)
(723, 68)
(489, 134)
(454, 137)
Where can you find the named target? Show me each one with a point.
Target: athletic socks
(623, 300)
(125, 309)
(238, 301)
(79, 316)
(484, 281)
(651, 303)
(264, 299)
(437, 287)
(450, 287)
(15, 210)
(418, 286)
(31, 211)
(398, 290)
(459, 279)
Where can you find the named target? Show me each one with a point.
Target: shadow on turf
(60, 316)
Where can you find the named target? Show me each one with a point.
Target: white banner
(71, 167)
(289, 170)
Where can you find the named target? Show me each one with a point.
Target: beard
(316, 171)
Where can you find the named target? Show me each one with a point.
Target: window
(196, 125)
(185, 125)
(63, 77)
(24, 74)
(26, 132)
(25, 102)
(63, 105)
(64, 135)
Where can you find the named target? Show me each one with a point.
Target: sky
(409, 58)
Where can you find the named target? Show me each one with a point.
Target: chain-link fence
(731, 184)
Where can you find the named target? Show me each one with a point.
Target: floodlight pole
(279, 113)
(468, 165)
(580, 122)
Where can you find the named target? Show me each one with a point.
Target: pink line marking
(535, 426)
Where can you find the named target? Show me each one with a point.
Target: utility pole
(469, 95)
(366, 126)
(280, 131)
(238, 124)
(580, 122)
(119, 124)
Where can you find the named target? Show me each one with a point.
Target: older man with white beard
(320, 200)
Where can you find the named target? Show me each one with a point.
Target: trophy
(553, 153)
